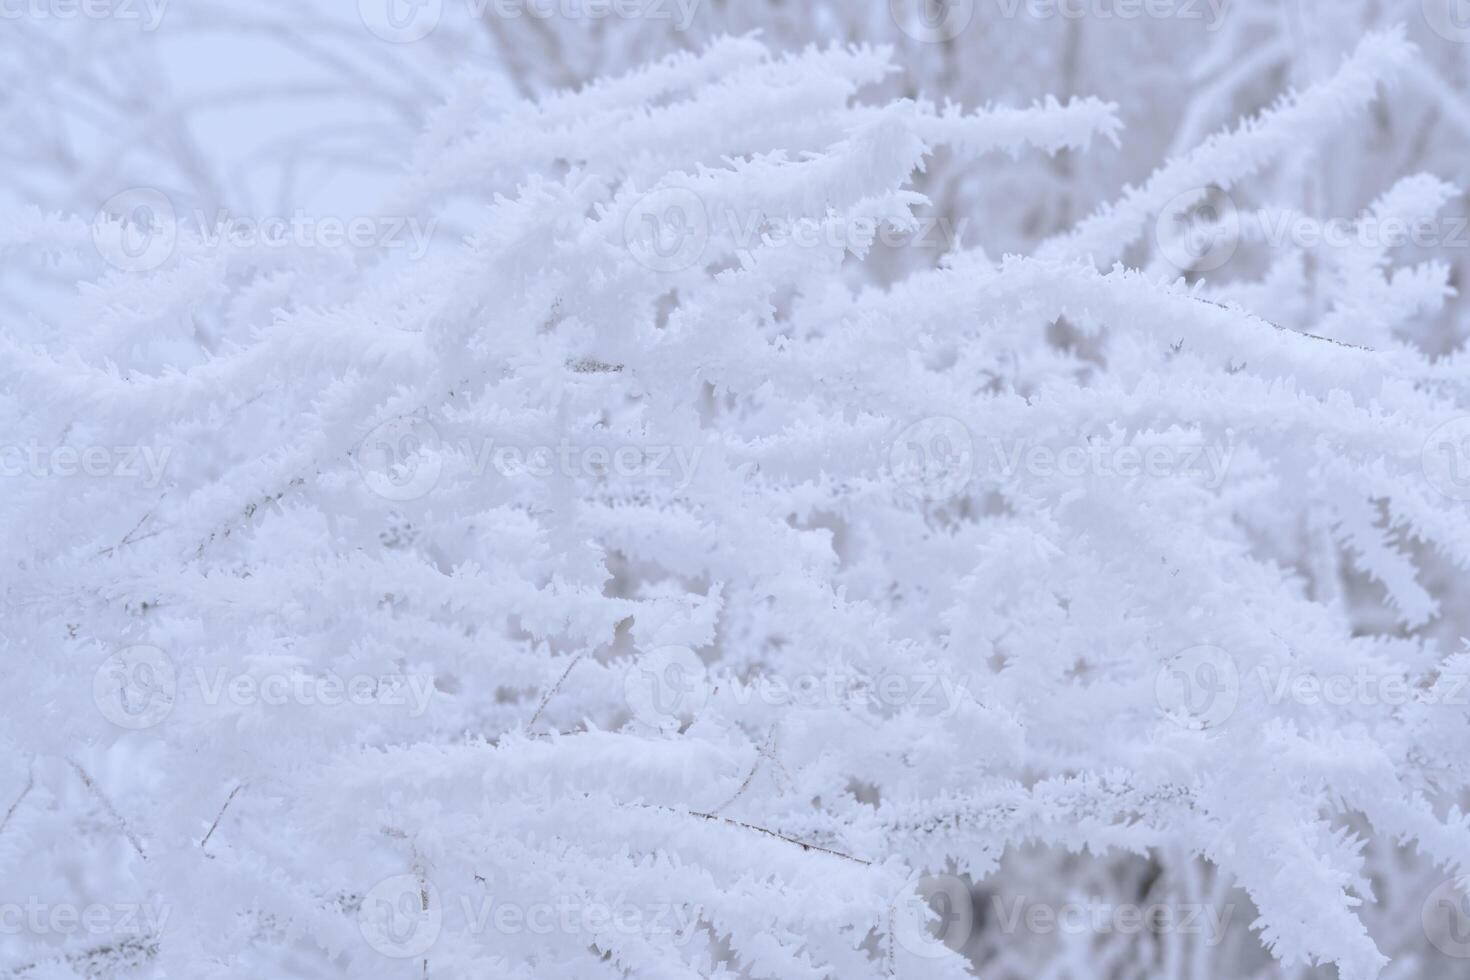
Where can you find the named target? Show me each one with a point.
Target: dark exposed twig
(30, 783)
(107, 805)
(221, 815)
(552, 690)
(761, 755)
(804, 845)
(1309, 336)
(128, 538)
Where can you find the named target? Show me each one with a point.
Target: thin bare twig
(107, 805)
(552, 690)
(761, 755)
(804, 845)
(221, 815)
(30, 783)
(127, 538)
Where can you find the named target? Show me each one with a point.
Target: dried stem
(220, 816)
(107, 805)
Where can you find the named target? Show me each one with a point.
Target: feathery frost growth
(673, 547)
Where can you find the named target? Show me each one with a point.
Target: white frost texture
(735, 489)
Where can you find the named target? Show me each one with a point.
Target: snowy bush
(743, 517)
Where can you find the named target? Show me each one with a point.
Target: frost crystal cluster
(765, 509)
